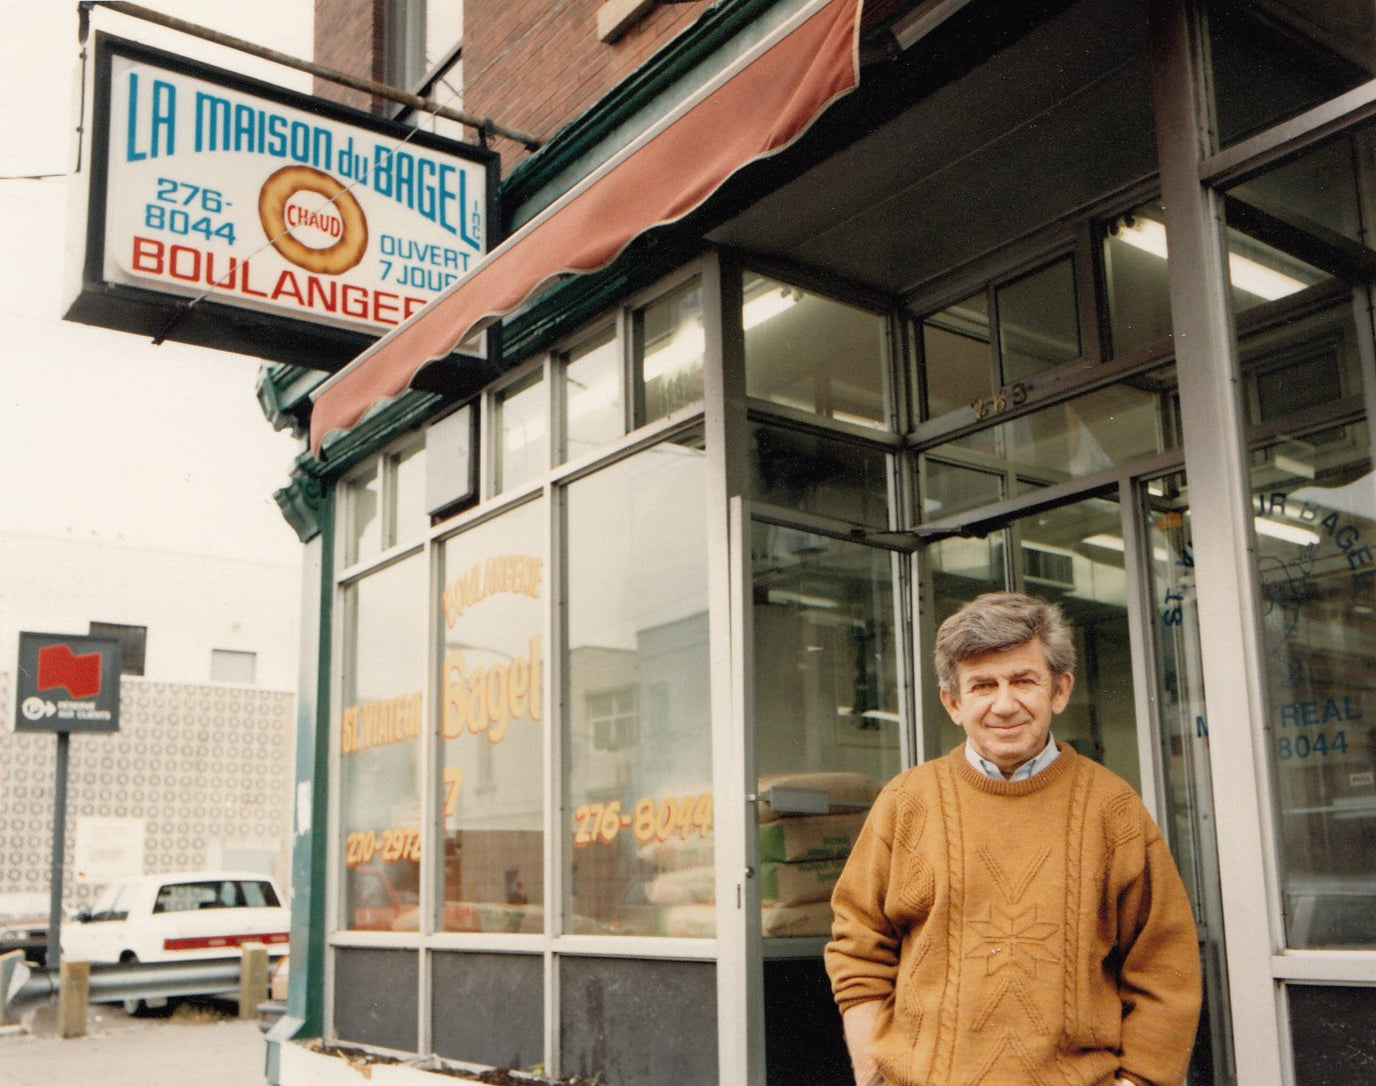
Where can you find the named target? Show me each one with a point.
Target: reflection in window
(951, 488)
(669, 345)
(521, 429)
(1039, 321)
(1272, 59)
(1139, 301)
(408, 474)
(1315, 518)
(379, 745)
(1092, 433)
(638, 825)
(956, 359)
(813, 354)
(1190, 816)
(827, 713)
(493, 714)
(594, 398)
(816, 474)
(362, 523)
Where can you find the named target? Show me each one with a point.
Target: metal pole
(394, 94)
(59, 852)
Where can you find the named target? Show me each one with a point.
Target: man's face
(1005, 701)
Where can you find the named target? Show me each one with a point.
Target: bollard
(253, 979)
(72, 996)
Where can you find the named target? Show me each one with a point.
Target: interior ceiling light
(1289, 533)
(1245, 273)
(765, 306)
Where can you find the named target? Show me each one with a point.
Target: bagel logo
(313, 220)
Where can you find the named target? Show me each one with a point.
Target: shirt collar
(1029, 768)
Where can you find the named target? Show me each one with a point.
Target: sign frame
(274, 336)
(43, 709)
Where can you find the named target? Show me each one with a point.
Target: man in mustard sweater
(1010, 914)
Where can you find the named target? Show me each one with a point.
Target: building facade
(615, 637)
(199, 775)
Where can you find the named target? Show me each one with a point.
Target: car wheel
(134, 1008)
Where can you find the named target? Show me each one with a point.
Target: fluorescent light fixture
(1289, 533)
(920, 22)
(764, 306)
(821, 603)
(1245, 273)
(1108, 542)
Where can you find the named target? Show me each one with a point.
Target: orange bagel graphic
(340, 217)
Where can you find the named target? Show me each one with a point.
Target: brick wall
(535, 65)
(348, 36)
(531, 65)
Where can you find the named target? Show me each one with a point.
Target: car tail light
(215, 942)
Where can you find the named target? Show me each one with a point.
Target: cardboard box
(812, 837)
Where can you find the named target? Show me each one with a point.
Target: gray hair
(1002, 620)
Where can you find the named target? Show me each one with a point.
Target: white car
(183, 917)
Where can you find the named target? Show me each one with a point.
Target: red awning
(754, 111)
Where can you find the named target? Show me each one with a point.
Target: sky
(104, 436)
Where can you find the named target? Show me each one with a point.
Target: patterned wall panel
(208, 770)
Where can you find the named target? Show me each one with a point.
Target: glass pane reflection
(639, 842)
(1316, 556)
(814, 354)
(827, 717)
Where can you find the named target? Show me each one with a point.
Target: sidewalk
(195, 1045)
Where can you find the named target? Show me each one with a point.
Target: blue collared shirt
(1029, 768)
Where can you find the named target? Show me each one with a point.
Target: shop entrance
(841, 631)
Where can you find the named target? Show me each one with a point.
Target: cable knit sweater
(1021, 933)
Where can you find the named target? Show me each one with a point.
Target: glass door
(825, 662)
(1119, 563)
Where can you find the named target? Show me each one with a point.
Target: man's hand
(858, 1023)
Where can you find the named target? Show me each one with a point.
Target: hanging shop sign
(67, 684)
(231, 213)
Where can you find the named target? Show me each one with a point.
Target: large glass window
(814, 473)
(827, 713)
(813, 354)
(638, 844)
(669, 344)
(1039, 321)
(493, 712)
(1139, 300)
(380, 744)
(521, 433)
(1092, 433)
(594, 395)
(1315, 517)
(1272, 59)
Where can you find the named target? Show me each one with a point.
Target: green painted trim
(536, 181)
(399, 416)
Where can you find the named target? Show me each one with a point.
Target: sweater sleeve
(1160, 980)
(862, 957)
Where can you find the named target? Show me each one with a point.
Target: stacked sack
(801, 855)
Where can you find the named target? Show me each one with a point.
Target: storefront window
(521, 428)
(1139, 300)
(380, 742)
(493, 712)
(638, 822)
(594, 396)
(669, 348)
(1092, 433)
(956, 359)
(1039, 322)
(827, 713)
(362, 516)
(1273, 59)
(408, 471)
(813, 354)
(816, 474)
(1315, 517)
